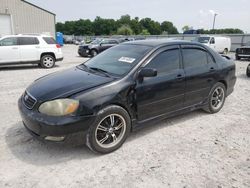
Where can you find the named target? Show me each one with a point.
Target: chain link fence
(237, 40)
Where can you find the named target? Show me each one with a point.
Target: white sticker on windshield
(127, 59)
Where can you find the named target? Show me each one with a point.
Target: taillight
(58, 46)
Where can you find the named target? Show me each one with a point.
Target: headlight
(59, 107)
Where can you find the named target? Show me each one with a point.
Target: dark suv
(96, 47)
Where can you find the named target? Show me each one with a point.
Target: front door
(9, 50)
(164, 93)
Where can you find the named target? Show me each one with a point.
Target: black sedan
(97, 46)
(243, 52)
(123, 88)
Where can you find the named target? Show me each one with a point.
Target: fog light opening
(55, 138)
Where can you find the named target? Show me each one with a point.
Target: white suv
(25, 49)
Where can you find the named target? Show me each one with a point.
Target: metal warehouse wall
(27, 18)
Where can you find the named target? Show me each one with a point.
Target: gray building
(20, 16)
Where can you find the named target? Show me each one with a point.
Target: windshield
(119, 59)
(203, 39)
(96, 41)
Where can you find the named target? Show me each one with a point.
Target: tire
(237, 57)
(47, 61)
(110, 130)
(93, 53)
(216, 98)
(248, 71)
(225, 51)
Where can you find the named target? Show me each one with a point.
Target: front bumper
(83, 52)
(42, 125)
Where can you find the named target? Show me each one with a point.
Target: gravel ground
(192, 150)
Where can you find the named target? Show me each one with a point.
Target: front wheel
(216, 98)
(109, 131)
(93, 53)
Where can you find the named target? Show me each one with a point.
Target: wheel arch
(48, 53)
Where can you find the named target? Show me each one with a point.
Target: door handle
(37, 46)
(212, 69)
(15, 48)
(179, 77)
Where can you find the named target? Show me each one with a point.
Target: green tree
(144, 32)
(169, 27)
(185, 28)
(124, 30)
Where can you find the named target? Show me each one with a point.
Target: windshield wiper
(100, 70)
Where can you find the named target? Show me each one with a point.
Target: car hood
(65, 83)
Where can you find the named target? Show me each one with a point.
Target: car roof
(26, 35)
(159, 42)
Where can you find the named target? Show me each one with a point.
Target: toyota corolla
(125, 87)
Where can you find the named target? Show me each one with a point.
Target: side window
(12, 41)
(209, 58)
(28, 41)
(113, 42)
(49, 40)
(166, 62)
(194, 57)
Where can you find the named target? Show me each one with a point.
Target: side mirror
(147, 72)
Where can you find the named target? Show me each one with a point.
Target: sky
(195, 13)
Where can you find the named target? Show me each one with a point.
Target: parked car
(30, 49)
(125, 87)
(97, 46)
(248, 70)
(219, 44)
(243, 52)
(192, 32)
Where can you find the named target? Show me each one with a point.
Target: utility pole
(215, 14)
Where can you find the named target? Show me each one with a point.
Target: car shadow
(243, 76)
(172, 121)
(30, 150)
(19, 67)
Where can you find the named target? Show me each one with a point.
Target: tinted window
(210, 59)
(119, 59)
(49, 40)
(28, 41)
(194, 57)
(113, 42)
(12, 41)
(166, 62)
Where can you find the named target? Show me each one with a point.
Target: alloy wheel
(218, 98)
(110, 131)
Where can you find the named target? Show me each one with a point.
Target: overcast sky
(196, 13)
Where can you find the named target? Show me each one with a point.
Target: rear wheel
(47, 61)
(248, 70)
(225, 51)
(216, 98)
(109, 131)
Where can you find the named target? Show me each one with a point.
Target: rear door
(107, 44)
(164, 93)
(9, 50)
(29, 47)
(201, 73)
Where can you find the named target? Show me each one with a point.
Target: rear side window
(11, 41)
(194, 57)
(28, 41)
(49, 40)
(166, 62)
